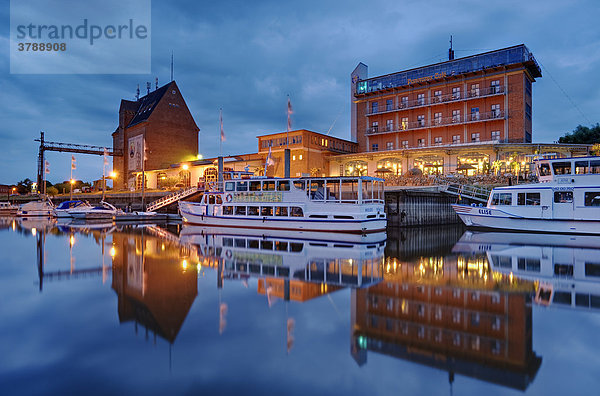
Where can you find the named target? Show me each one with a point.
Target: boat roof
(367, 178)
(568, 158)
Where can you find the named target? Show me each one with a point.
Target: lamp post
(71, 182)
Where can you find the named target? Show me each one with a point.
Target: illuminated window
(404, 123)
(293, 158)
(300, 157)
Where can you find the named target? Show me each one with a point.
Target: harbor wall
(414, 208)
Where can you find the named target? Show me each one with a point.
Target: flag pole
(143, 170)
(104, 177)
(221, 132)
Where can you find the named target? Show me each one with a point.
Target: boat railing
(169, 199)
(477, 193)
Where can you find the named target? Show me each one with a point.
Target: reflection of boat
(341, 204)
(38, 223)
(567, 200)
(331, 262)
(64, 209)
(36, 208)
(8, 209)
(565, 268)
(102, 211)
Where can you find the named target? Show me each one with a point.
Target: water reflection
(461, 303)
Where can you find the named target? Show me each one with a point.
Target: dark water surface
(104, 309)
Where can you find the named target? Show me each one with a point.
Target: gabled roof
(146, 104)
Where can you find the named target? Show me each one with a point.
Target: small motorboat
(36, 208)
(64, 209)
(8, 209)
(103, 211)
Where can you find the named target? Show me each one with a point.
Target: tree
(51, 190)
(24, 186)
(582, 135)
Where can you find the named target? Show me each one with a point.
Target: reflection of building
(157, 127)
(452, 314)
(294, 290)
(154, 282)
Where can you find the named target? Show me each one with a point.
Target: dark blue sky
(247, 56)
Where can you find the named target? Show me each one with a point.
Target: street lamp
(71, 182)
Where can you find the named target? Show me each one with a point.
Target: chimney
(148, 85)
(137, 94)
(450, 50)
(156, 83)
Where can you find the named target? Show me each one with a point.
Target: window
(544, 169)
(230, 186)
(299, 184)
(421, 310)
(528, 111)
(456, 93)
(268, 185)
(592, 198)
(496, 296)
(595, 167)
(438, 313)
(563, 196)
(283, 185)
(495, 85)
(420, 142)
(254, 186)
(404, 123)
(455, 115)
(375, 126)
(474, 113)
(496, 323)
(475, 137)
(437, 140)
(581, 167)
(375, 147)
(495, 111)
(437, 96)
(421, 99)
(227, 210)
(456, 339)
(266, 211)
(456, 293)
(253, 210)
(475, 90)
(389, 145)
(495, 135)
(296, 212)
(300, 157)
(528, 264)
(404, 102)
(592, 269)
(240, 210)
(389, 125)
(502, 199)
(528, 199)
(421, 120)
(374, 107)
(241, 186)
(281, 211)
(456, 316)
(455, 139)
(405, 144)
(437, 118)
(389, 105)
(475, 319)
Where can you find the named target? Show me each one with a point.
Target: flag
(289, 114)
(47, 167)
(73, 162)
(270, 161)
(221, 125)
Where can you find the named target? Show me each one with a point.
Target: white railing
(470, 191)
(169, 199)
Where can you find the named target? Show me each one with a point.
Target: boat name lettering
(485, 211)
(259, 196)
(562, 189)
(256, 258)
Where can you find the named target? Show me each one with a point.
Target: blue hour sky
(246, 57)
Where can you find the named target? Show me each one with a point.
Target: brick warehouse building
(161, 119)
(484, 97)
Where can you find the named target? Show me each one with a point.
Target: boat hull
(350, 226)
(482, 217)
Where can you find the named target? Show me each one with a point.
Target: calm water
(100, 309)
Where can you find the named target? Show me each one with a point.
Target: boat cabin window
(266, 245)
(283, 185)
(240, 210)
(581, 167)
(296, 212)
(254, 186)
(230, 186)
(227, 210)
(253, 244)
(595, 167)
(563, 196)
(253, 210)
(349, 190)
(299, 184)
(502, 199)
(281, 211)
(214, 199)
(562, 168)
(268, 185)
(528, 199)
(266, 211)
(296, 247)
(529, 264)
(317, 191)
(592, 269)
(281, 246)
(592, 198)
(241, 186)
(544, 169)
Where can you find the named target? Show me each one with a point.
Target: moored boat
(565, 200)
(64, 209)
(326, 204)
(103, 211)
(36, 208)
(8, 209)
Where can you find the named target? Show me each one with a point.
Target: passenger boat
(8, 209)
(36, 208)
(64, 209)
(104, 211)
(565, 200)
(327, 204)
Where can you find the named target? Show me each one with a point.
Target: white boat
(64, 209)
(566, 200)
(326, 204)
(103, 211)
(8, 209)
(36, 208)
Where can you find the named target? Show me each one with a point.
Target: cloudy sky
(246, 56)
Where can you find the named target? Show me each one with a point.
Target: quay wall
(419, 207)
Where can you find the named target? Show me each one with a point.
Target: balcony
(440, 122)
(440, 99)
